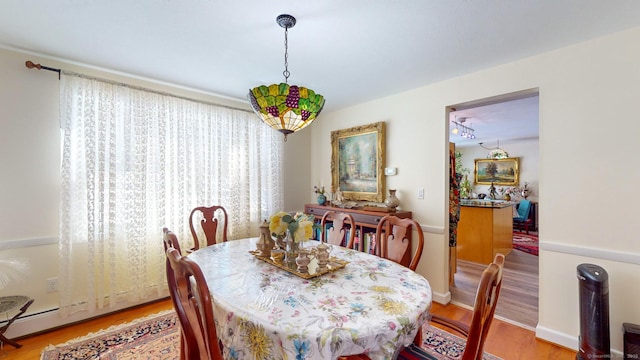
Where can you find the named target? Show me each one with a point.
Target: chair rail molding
(18, 244)
(596, 253)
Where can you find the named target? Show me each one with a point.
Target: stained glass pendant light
(286, 108)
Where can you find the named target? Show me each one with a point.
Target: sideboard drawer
(317, 212)
(368, 219)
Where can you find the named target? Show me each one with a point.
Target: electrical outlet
(52, 284)
(420, 193)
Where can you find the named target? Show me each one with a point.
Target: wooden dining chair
(208, 224)
(171, 242)
(336, 234)
(194, 297)
(483, 312)
(393, 234)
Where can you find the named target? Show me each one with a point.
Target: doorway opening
(509, 123)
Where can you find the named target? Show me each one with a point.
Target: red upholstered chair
(209, 224)
(483, 311)
(197, 320)
(336, 234)
(393, 234)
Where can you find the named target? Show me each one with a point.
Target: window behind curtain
(135, 161)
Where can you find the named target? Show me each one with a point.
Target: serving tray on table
(314, 270)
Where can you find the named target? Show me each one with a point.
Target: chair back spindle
(393, 234)
(342, 229)
(209, 224)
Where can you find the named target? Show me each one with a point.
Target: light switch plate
(390, 171)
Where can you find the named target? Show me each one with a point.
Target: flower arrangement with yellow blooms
(300, 225)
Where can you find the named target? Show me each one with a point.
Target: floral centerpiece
(524, 190)
(294, 229)
(507, 192)
(300, 226)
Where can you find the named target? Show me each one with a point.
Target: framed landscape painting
(357, 162)
(497, 171)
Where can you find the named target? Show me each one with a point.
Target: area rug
(526, 243)
(157, 337)
(437, 345)
(154, 337)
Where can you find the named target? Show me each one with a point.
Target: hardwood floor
(508, 341)
(518, 300)
(504, 340)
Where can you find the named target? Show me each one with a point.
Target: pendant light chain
(286, 55)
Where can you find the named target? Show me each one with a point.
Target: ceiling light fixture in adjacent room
(496, 152)
(283, 107)
(467, 131)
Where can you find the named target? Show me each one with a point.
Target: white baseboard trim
(441, 298)
(49, 320)
(565, 340)
(556, 337)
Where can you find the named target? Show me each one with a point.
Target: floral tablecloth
(372, 306)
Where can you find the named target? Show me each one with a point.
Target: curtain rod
(29, 64)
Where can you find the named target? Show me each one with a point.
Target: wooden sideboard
(366, 222)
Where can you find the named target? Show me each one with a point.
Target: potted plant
(463, 177)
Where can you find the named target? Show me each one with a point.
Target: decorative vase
(322, 254)
(525, 190)
(291, 251)
(265, 242)
(322, 199)
(392, 201)
(507, 197)
(303, 261)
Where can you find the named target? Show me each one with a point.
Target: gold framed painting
(504, 172)
(357, 162)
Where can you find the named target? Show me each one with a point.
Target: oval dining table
(372, 306)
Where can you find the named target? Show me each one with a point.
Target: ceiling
(349, 51)
(502, 122)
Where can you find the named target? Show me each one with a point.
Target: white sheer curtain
(135, 161)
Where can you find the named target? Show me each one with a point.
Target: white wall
(297, 170)
(587, 168)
